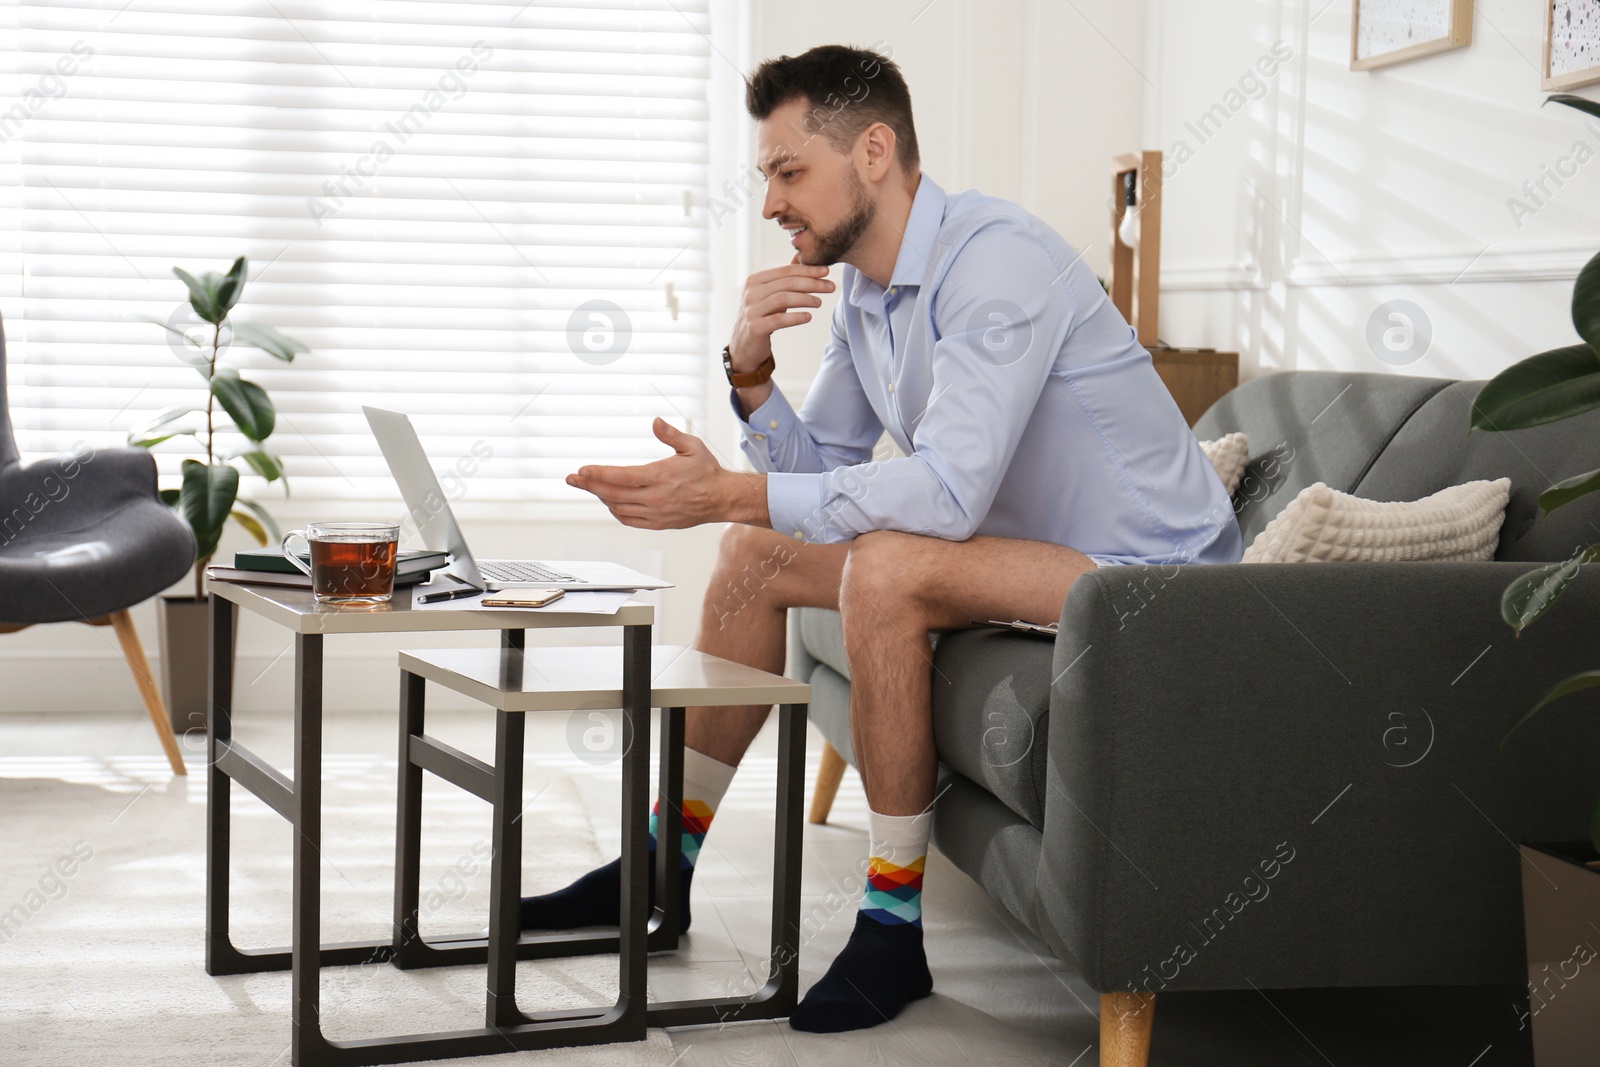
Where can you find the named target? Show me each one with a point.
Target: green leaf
(270, 341)
(261, 513)
(203, 294)
(1581, 103)
(231, 286)
(152, 441)
(206, 500)
(268, 466)
(1568, 490)
(1545, 388)
(146, 434)
(169, 497)
(1565, 687)
(1586, 302)
(245, 402)
(252, 527)
(1531, 594)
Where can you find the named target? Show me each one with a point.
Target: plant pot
(1561, 918)
(185, 626)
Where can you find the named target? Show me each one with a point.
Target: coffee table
(299, 800)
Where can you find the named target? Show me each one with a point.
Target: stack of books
(269, 566)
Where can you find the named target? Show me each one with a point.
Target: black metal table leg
(408, 825)
(632, 936)
(221, 956)
(505, 870)
(308, 1047)
(776, 999)
(666, 916)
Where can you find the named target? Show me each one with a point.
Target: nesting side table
(516, 682)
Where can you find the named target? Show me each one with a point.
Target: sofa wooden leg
(828, 777)
(1125, 1021)
(133, 652)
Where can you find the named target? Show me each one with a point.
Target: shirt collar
(916, 244)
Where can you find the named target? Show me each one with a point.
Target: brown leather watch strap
(744, 380)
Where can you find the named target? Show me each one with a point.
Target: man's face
(812, 188)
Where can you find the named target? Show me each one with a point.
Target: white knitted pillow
(1324, 525)
(1228, 454)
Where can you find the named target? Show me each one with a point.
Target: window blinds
(490, 216)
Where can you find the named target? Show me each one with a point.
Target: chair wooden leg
(828, 777)
(128, 638)
(1125, 1022)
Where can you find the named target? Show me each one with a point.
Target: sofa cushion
(1228, 455)
(991, 709)
(1313, 426)
(1323, 525)
(1433, 449)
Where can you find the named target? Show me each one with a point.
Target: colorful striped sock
(705, 780)
(894, 868)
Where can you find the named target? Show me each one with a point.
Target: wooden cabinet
(1196, 377)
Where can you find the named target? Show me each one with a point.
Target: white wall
(1339, 191)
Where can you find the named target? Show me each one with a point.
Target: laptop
(430, 510)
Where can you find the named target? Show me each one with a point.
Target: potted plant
(1560, 880)
(208, 497)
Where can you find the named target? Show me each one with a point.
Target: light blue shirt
(1022, 400)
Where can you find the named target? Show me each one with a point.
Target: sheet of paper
(577, 602)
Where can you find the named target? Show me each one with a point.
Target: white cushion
(1325, 525)
(1228, 454)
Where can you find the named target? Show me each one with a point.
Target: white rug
(102, 917)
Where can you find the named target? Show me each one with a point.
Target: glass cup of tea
(351, 562)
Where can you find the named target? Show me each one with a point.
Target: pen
(448, 594)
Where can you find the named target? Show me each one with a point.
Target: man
(1038, 440)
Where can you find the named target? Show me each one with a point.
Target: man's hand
(685, 489)
(764, 310)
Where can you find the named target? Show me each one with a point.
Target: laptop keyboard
(516, 570)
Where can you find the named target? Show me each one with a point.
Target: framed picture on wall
(1383, 32)
(1571, 44)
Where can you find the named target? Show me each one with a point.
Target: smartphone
(531, 598)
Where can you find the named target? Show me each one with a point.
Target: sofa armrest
(1289, 775)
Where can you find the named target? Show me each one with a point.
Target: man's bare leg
(897, 587)
(759, 575)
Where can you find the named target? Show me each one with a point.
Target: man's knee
(750, 563)
(880, 573)
(743, 545)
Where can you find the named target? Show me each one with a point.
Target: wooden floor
(1000, 997)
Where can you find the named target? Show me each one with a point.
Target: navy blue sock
(880, 971)
(595, 900)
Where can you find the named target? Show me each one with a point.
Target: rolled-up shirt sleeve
(1001, 320)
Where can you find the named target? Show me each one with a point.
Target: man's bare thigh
(956, 582)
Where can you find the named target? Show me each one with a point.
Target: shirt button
(772, 425)
(798, 536)
(761, 437)
(891, 387)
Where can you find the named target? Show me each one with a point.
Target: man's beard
(834, 245)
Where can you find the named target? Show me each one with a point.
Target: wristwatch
(745, 380)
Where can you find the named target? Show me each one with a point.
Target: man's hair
(846, 90)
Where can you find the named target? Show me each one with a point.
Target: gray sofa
(1279, 775)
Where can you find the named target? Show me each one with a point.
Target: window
(490, 216)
